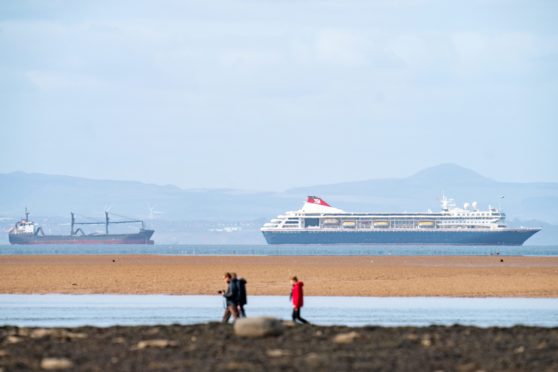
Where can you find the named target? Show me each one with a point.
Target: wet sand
(215, 347)
(481, 276)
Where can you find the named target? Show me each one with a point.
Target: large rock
(258, 327)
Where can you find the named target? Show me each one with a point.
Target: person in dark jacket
(297, 297)
(242, 297)
(231, 298)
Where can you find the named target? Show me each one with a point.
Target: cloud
(489, 53)
(367, 72)
(59, 81)
(250, 58)
(421, 51)
(341, 47)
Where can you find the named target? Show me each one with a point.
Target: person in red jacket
(297, 297)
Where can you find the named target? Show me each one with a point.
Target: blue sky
(268, 95)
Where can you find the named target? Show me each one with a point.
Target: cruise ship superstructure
(319, 223)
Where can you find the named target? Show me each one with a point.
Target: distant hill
(525, 201)
(49, 195)
(57, 196)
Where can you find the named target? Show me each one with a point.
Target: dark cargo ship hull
(142, 237)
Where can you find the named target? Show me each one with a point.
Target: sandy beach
(479, 276)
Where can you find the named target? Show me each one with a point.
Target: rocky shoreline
(215, 346)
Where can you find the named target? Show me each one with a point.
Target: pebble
(153, 331)
(467, 367)
(24, 332)
(346, 338)
(160, 343)
(243, 366)
(56, 363)
(119, 340)
(277, 353)
(519, 350)
(74, 335)
(314, 360)
(411, 337)
(43, 332)
(258, 327)
(13, 339)
(425, 342)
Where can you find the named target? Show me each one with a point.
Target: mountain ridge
(54, 195)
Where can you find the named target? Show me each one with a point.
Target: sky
(268, 95)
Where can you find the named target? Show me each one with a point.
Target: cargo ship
(320, 223)
(26, 232)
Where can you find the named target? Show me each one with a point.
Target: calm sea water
(107, 310)
(284, 250)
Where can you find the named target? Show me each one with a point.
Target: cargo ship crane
(107, 222)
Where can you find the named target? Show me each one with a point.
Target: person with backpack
(231, 298)
(297, 298)
(242, 297)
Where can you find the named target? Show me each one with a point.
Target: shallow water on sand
(106, 310)
(283, 250)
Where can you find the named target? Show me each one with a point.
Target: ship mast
(106, 222)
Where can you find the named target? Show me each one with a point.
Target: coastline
(383, 276)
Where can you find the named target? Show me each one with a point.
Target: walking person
(242, 297)
(231, 298)
(297, 297)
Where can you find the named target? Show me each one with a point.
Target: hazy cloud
(269, 95)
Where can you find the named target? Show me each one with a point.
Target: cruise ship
(320, 223)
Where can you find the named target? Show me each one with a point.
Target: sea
(61, 310)
(282, 250)
(58, 310)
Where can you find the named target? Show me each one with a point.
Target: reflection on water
(285, 250)
(107, 310)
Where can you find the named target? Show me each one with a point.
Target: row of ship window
(293, 222)
(394, 222)
(484, 216)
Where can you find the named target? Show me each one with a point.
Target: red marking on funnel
(316, 200)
